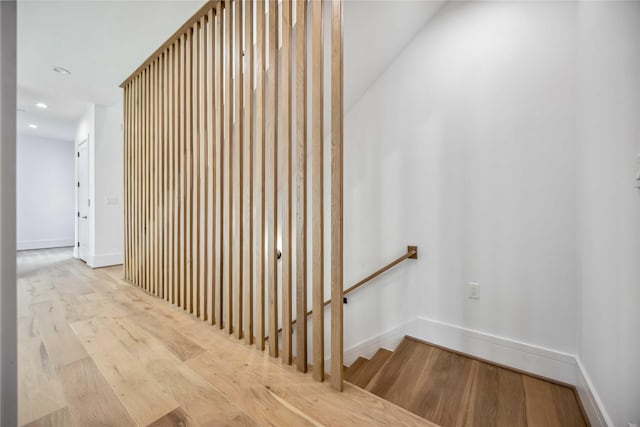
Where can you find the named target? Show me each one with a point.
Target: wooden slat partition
(261, 232)
(286, 222)
(210, 198)
(317, 188)
(337, 173)
(271, 167)
(301, 184)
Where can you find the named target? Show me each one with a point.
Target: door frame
(76, 248)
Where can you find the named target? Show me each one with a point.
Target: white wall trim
(105, 260)
(590, 399)
(530, 358)
(538, 360)
(27, 245)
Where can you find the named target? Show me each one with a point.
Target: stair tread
(362, 377)
(450, 388)
(355, 367)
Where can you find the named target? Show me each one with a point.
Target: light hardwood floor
(96, 351)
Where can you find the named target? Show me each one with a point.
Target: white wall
(609, 204)
(45, 192)
(504, 142)
(465, 147)
(102, 125)
(109, 186)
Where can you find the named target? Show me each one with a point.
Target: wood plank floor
(96, 351)
(452, 389)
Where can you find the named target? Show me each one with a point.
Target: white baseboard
(537, 360)
(27, 245)
(590, 399)
(105, 260)
(530, 358)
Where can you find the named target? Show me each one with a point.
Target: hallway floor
(94, 350)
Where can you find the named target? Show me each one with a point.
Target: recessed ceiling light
(61, 70)
(32, 126)
(42, 105)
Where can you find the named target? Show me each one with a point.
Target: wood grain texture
(271, 166)
(354, 369)
(211, 254)
(181, 176)
(317, 188)
(219, 159)
(449, 388)
(161, 360)
(203, 160)
(238, 177)
(227, 251)
(261, 231)
(249, 197)
(367, 370)
(189, 236)
(59, 418)
(286, 221)
(92, 402)
(211, 155)
(337, 188)
(301, 185)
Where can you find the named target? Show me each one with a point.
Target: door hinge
(78, 184)
(78, 154)
(78, 244)
(78, 214)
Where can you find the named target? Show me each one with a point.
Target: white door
(83, 200)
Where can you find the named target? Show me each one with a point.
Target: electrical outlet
(474, 290)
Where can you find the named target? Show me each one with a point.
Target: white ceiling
(102, 42)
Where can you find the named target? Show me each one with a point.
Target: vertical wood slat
(205, 167)
(188, 172)
(126, 140)
(210, 201)
(181, 169)
(219, 98)
(286, 220)
(195, 169)
(260, 256)
(143, 194)
(146, 193)
(249, 149)
(176, 175)
(165, 175)
(209, 169)
(317, 189)
(337, 184)
(227, 167)
(154, 178)
(301, 185)
(238, 175)
(272, 165)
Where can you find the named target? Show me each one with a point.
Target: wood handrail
(412, 253)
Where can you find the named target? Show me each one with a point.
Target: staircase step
(355, 367)
(451, 388)
(371, 368)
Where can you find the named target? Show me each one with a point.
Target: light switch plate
(111, 201)
(474, 290)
